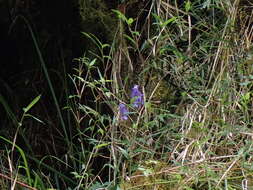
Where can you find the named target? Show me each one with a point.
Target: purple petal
(123, 111)
(137, 96)
(135, 91)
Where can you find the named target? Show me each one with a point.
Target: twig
(18, 182)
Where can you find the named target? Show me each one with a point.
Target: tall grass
(193, 64)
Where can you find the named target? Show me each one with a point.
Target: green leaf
(35, 118)
(246, 96)
(93, 38)
(105, 45)
(120, 15)
(130, 39)
(130, 21)
(101, 145)
(206, 4)
(35, 100)
(135, 33)
(157, 18)
(168, 21)
(188, 6)
(101, 131)
(92, 62)
(124, 152)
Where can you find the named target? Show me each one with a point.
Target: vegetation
(165, 104)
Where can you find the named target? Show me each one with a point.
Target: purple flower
(123, 111)
(137, 97)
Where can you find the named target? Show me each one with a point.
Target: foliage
(167, 106)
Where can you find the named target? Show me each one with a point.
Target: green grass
(193, 64)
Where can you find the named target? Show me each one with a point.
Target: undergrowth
(167, 106)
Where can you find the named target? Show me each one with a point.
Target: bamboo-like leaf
(168, 21)
(35, 100)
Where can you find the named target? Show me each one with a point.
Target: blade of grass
(47, 76)
(23, 157)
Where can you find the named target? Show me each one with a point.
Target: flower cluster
(136, 99)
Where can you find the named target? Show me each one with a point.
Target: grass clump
(167, 106)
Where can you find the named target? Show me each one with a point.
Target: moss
(160, 89)
(98, 20)
(149, 176)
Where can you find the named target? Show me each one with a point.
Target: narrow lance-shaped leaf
(35, 100)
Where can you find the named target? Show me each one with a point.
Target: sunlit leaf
(130, 21)
(188, 6)
(171, 20)
(102, 145)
